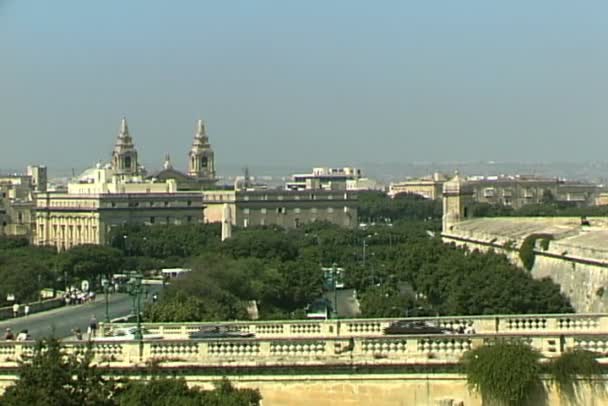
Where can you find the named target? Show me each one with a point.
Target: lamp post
(135, 288)
(105, 283)
(331, 282)
(334, 275)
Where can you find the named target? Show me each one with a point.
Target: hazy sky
(304, 83)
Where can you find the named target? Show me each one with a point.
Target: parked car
(219, 332)
(128, 333)
(416, 327)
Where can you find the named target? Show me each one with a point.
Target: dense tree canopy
(403, 269)
(24, 270)
(377, 207)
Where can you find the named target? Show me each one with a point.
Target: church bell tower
(124, 155)
(201, 162)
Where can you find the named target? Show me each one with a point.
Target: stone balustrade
(328, 351)
(508, 324)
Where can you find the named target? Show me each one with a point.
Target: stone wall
(584, 281)
(400, 389)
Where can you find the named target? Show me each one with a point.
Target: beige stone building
(201, 172)
(512, 191)
(107, 196)
(428, 187)
(17, 201)
(289, 209)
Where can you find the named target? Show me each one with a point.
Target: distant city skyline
(303, 84)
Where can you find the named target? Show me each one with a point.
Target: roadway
(60, 322)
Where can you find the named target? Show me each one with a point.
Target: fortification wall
(582, 279)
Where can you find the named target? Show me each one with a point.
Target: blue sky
(304, 83)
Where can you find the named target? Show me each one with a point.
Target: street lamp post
(334, 277)
(135, 288)
(105, 283)
(331, 282)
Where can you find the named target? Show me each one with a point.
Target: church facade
(120, 192)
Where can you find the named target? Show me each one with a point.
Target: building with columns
(111, 195)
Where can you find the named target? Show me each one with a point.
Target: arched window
(127, 162)
(204, 162)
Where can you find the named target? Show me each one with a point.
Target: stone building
(289, 209)
(201, 164)
(428, 187)
(111, 195)
(512, 191)
(324, 178)
(571, 251)
(17, 201)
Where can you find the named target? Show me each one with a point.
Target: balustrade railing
(508, 324)
(262, 352)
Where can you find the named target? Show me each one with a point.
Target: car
(128, 333)
(415, 327)
(218, 332)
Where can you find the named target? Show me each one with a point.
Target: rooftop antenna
(246, 177)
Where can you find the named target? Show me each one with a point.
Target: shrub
(571, 369)
(526, 250)
(505, 373)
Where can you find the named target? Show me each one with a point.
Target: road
(60, 322)
(348, 305)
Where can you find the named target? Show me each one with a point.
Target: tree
(53, 378)
(90, 262)
(24, 270)
(174, 391)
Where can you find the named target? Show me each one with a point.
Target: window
(151, 204)
(245, 211)
(245, 223)
(313, 210)
(296, 210)
(330, 209)
(166, 204)
(113, 204)
(189, 219)
(152, 220)
(263, 211)
(189, 203)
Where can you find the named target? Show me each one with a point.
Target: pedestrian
(26, 310)
(92, 330)
(16, 310)
(8, 335)
(77, 333)
(23, 336)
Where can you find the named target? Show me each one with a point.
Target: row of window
(169, 219)
(284, 210)
(154, 204)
